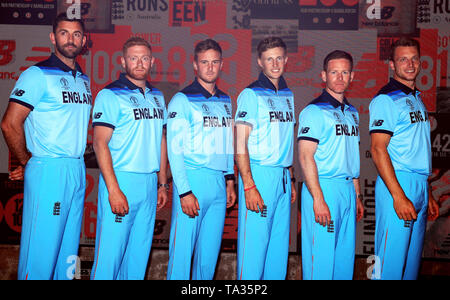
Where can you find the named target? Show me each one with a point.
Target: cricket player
(265, 141)
(200, 147)
(328, 141)
(45, 127)
(401, 150)
(129, 117)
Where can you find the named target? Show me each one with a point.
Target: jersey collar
(197, 87)
(397, 85)
(125, 81)
(266, 83)
(326, 97)
(54, 61)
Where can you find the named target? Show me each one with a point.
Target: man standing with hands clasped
(328, 141)
(401, 150)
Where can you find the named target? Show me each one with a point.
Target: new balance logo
(330, 227)
(119, 219)
(304, 130)
(377, 123)
(98, 115)
(57, 209)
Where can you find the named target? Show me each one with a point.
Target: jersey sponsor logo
(343, 129)
(279, 116)
(98, 115)
(18, 92)
(242, 114)
(148, 113)
(377, 123)
(304, 130)
(215, 122)
(74, 97)
(416, 117)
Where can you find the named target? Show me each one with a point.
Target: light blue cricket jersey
(137, 117)
(60, 101)
(399, 111)
(199, 133)
(335, 128)
(270, 113)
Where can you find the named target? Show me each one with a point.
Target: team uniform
(329, 252)
(399, 111)
(137, 116)
(263, 239)
(60, 101)
(200, 149)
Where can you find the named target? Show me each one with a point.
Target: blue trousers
(122, 244)
(53, 205)
(201, 236)
(399, 244)
(263, 239)
(329, 252)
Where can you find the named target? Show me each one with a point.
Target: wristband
(248, 189)
(165, 185)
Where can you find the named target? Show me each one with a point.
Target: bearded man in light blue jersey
(45, 127)
(401, 150)
(129, 117)
(328, 141)
(200, 147)
(265, 141)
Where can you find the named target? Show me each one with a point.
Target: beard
(136, 76)
(69, 53)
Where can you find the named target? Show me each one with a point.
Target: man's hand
(118, 202)
(404, 208)
(321, 212)
(231, 193)
(17, 174)
(253, 200)
(293, 193)
(359, 209)
(162, 198)
(433, 208)
(190, 206)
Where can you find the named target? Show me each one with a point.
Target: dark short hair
(404, 42)
(63, 17)
(205, 45)
(269, 43)
(337, 54)
(135, 41)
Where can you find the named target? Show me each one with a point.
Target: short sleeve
(310, 124)
(106, 110)
(247, 108)
(29, 88)
(383, 115)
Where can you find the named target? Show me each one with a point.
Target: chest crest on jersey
(134, 101)
(64, 84)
